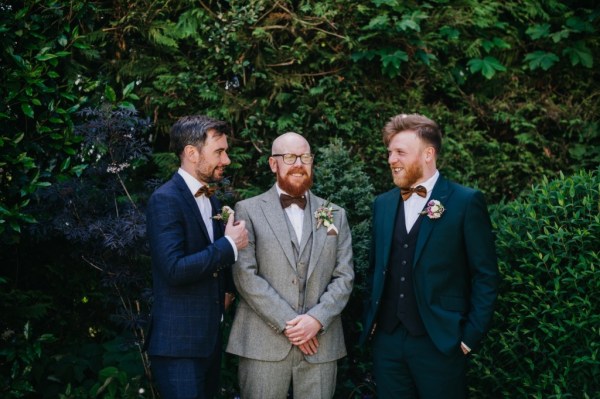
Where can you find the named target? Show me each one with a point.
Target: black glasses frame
(290, 159)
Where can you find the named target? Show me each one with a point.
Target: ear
(273, 164)
(190, 153)
(429, 154)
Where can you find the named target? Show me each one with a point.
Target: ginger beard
(296, 181)
(408, 175)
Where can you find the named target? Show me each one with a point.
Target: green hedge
(545, 340)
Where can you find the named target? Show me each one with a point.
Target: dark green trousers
(407, 367)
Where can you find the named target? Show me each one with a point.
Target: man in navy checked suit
(192, 255)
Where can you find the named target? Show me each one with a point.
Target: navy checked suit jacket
(190, 274)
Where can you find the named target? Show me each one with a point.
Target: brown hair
(426, 129)
(192, 130)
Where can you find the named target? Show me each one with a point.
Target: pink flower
(434, 209)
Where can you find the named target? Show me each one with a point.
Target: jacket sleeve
(180, 252)
(481, 256)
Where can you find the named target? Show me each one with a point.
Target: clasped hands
(302, 332)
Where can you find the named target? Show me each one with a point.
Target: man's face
(294, 179)
(212, 158)
(406, 157)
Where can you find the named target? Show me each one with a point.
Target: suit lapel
(441, 192)
(190, 201)
(318, 236)
(387, 225)
(275, 217)
(217, 225)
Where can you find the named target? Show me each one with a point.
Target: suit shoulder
(387, 195)
(168, 188)
(464, 191)
(252, 201)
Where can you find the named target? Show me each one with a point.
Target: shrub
(341, 178)
(545, 338)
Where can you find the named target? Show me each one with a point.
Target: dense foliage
(513, 84)
(544, 342)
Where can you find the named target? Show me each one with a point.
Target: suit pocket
(455, 303)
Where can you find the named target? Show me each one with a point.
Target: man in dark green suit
(434, 267)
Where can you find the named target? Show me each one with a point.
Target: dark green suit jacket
(455, 273)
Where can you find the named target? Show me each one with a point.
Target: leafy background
(91, 88)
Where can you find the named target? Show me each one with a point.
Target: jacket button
(215, 274)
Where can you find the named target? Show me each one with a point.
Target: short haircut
(426, 129)
(192, 130)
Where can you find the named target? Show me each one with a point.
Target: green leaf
(580, 54)
(451, 33)
(27, 110)
(128, 89)
(391, 62)
(110, 94)
(380, 22)
(487, 66)
(45, 57)
(62, 40)
(579, 25)
(541, 59)
(558, 36)
(538, 31)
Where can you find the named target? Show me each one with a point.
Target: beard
(295, 189)
(412, 173)
(207, 173)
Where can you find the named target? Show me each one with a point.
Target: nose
(225, 158)
(391, 158)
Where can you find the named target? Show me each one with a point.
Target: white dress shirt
(414, 205)
(205, 206)
(295, 214)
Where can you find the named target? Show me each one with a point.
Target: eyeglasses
(290, 159)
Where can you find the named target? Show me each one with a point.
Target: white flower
(324, 216)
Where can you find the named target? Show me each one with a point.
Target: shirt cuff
(465, 346)
(235, 251)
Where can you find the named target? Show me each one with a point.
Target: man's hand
(237, 232)
(309, 348)
(229, 298)
(302, 329)
(465, 349)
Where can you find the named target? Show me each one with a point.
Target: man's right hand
(237, 232)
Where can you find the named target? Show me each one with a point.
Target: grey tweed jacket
(266, 279)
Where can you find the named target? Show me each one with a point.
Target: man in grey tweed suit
(294, 280)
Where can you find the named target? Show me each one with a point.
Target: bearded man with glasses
(294, 279)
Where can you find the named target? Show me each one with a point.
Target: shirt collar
(192, 183)
(430, 183)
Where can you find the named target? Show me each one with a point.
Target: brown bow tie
(407, 192)
(206, 190)
(287, 200)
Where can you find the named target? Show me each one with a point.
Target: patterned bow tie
(287, 200)
(206, 190)
(407, 192)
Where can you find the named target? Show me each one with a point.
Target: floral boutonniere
(224, 215)
(434, 209)
(324, 216)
